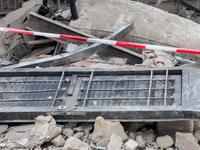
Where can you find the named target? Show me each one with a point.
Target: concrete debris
(132, 136)
(68, 132)
(104, 129)
(185, 141)
(157, 58)
(73, 47)
(59, 141)
(115, 143)
(170, 128)
(164, 141)
(141, 142)
(73, 143)
(130, 145)
(104, 142)
(44, 130)
(150, 138)
(78, 129)
(87, 126)
(79, 134)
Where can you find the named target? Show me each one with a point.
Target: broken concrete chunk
(170, 128)
(141, 142)
(150, 138)
(104, 129)
(164, 141)
(71, 124)
(87, 126)
(43, 131)
(130, 145)
(73, 47)
(68, 132)
(73, 143)
(104, 142)
(79, 135)
(115, 142)
(78, 129)
(24, 128)
(186, 141)
(132, 136)
(3, 128)
(59, 141)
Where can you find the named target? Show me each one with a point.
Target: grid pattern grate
(132, 90)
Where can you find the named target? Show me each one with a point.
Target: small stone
(2, 145)
(132, 136)
(79, 135)
(73, 143)
(186, 141)
(150, 131)
(141, 142)
(78, 129)
(71, 124)
(87, 126)
(104, 142)
(154, 144)
(68, 132)
(115, 142)
(139, 133)
(104, 129)
(164, 141)
(59, 141)
(150, 138)
(130, 145)
(86, 137)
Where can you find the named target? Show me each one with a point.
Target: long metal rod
(166, 80)
(150, 84)
(76, 55)
(87, 92)
(59, 85)
(128, 89)
(128, 98)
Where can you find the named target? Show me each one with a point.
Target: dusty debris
(130, 145)
(30, 136)
(104, 129)
(115, 142)
(73, 143)
(185, 141)
(58, 141)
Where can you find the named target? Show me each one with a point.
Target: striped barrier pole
(104, 41)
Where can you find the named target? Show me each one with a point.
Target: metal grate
(31, 91)
(83, 94)
(132, 90)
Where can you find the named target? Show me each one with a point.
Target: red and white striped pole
(103, 41)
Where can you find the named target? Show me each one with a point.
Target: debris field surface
(61, 94)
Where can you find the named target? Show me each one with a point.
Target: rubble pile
(45, 134)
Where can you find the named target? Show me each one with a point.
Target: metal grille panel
(132, 90)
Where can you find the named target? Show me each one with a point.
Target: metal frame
(75, 107)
